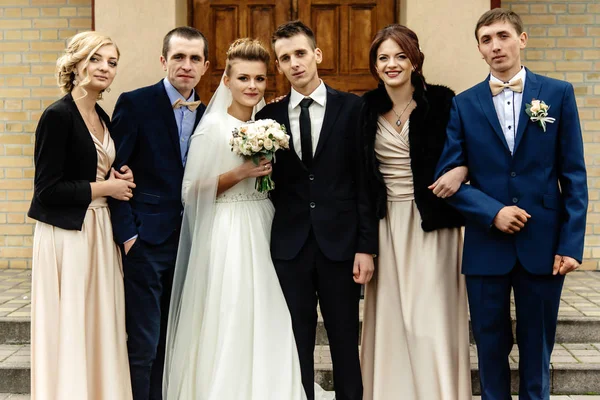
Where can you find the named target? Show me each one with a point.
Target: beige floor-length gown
(78, 339)
(415, 341)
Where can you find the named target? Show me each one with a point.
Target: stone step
(578, 316)
(568, 330)
(15, 371)
(578, 321)
(14, 331)
(575, 369)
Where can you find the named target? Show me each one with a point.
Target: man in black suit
(324, 233)
(151, 129)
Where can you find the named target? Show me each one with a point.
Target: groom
(525, 207)
(151, 130)
(324, 231)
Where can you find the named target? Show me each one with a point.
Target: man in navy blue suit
(525, 205)
(151, 129)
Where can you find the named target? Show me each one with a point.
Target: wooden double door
(344, 30)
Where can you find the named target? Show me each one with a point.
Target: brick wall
(32, 36)
(564, 43)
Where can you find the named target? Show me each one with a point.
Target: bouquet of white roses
(257, 139)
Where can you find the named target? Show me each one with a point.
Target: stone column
(446, 34)
(138, 28)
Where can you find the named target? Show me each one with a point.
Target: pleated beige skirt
(78, 339)
(415, 342)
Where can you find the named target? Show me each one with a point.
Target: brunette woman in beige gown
(415, 342)
(78, 339)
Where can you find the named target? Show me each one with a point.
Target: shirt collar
(521, 74)
(174, 93)
(319, 95)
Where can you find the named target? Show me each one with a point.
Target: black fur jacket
(427, 135)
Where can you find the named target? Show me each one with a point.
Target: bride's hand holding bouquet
(258, 141)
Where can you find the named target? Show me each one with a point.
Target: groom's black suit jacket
(331, 197)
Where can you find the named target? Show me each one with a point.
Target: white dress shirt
(508, 107)
(317, 114)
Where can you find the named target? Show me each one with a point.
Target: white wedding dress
(230, 334)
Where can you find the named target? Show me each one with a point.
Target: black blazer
(147, 140)
(427, 136)
(330, 198)
(65, 164)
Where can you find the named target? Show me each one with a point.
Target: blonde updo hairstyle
(246, 49)
(81, 47)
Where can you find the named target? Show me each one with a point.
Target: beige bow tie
(191, 105)
(498, 87)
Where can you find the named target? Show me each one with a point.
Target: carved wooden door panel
(344, 30)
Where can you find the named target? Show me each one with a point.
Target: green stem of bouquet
(264, 184)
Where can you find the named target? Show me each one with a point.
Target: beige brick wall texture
(564, 43)
(32, 36)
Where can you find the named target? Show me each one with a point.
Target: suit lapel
(284, 117)
(166, 112)
(332, 109)
(531, 91)
(487, 104)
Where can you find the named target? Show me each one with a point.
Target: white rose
(535, 106)
(268, 143)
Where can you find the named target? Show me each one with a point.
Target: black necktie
(305, 136)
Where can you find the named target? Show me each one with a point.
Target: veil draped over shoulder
(199, 190)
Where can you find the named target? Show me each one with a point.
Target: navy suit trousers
(537, 299)
(148, 271)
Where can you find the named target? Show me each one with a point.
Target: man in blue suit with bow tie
(151, 129)
(520, 137)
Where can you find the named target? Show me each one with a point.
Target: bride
(230, 334)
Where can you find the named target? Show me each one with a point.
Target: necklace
(89, 124)
(398, 121)
(88, 120)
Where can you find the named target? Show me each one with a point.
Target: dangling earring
(107, 90)
(75, 82)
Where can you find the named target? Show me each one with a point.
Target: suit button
(311, 177)
(513, 174)
(515, 200)
(312, 204)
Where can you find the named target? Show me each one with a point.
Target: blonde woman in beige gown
(415, 342)
(78, 339)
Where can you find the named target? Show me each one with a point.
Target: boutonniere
(538, 112)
